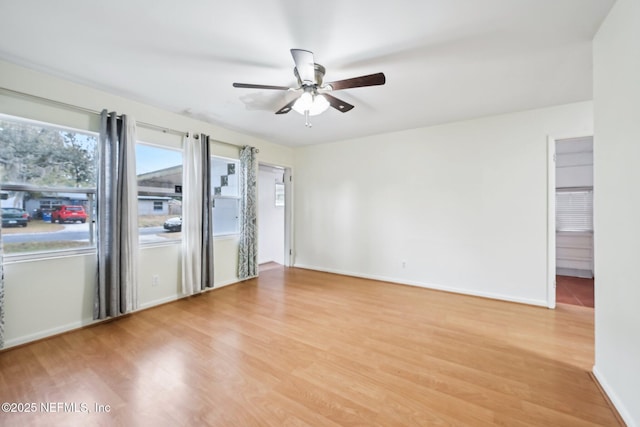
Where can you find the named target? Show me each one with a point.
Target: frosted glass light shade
(314, 104)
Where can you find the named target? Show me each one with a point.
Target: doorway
(572, 222)
(274, 195)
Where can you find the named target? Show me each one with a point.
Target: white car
(173, 224)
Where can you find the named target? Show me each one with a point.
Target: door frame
(551, 221)
(288, 217)
(288, 211)
(551, 213)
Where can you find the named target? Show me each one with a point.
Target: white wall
(270, 216)
(574, 162)
(48, 296)
(617, 207)
(464, 205)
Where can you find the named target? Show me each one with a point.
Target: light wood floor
(297, 347)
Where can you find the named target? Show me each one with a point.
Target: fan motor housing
(319, 71)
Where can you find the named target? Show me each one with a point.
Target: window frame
(31, 188)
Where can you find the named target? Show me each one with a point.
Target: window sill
(229, 236)
(42, 256)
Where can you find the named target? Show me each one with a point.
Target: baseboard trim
(618, 409)
(230, 282)
(158, 302)
(27, 339)
(434, 286)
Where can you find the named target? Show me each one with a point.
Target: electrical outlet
(404, 264)
(155, 280)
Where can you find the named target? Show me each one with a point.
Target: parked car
(14, 217)
(173, 224)
(68, 213)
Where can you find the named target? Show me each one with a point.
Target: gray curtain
(207, 216)
(248, 251)
(197, 216)
(117, 218)
(1, 286)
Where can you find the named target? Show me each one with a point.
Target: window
(49, 205)
(43, 167)
(159, 172)
(225, 186)
(574, 210)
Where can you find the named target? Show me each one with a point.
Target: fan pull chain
(307, 123)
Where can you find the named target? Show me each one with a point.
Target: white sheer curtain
(248, 249)
(117, 218)
(197, 217)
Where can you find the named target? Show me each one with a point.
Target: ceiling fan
(315, 98)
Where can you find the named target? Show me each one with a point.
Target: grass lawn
(153, 220)
(14, 248)
(35, 226)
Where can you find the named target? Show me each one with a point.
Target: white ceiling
(445, 60)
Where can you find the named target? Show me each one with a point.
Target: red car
(67, 213)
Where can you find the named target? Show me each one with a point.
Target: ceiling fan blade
(304, 65)
(338, 104)
(252, 86)
(287, 108)
(370, 80)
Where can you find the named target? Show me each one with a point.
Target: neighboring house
(150, 185)
(45, 203)
(161, 181)
(157, 192)
(156, 205)
(6, 201)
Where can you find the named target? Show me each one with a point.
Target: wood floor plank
(302, 348)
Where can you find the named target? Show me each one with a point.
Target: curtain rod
(90, 111)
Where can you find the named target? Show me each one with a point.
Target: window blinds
(574, 210)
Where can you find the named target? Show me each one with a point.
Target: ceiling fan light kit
(312, 103)
(314, 99)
